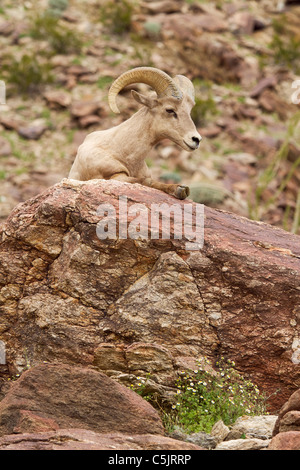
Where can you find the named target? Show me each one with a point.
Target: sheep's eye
(171, 111)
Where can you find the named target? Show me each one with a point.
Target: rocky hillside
(58, 58)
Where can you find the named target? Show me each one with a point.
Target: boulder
(48, 397)
(34, 130)
(219, 431)
(243, 444)
(289, 415)
(82, 439)
(64, 292)
(285, 441)
(201, 439)
(82, 108)
(58, 99)
(258, 427)
(5, 147)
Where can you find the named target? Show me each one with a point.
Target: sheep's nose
(197, 140)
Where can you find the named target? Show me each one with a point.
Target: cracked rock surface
(130, 306)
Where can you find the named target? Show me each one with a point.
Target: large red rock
(289, 415)
(64, 292)
(82, 439)
(285, 441)
(52, 396)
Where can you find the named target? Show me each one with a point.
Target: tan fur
(120, 152)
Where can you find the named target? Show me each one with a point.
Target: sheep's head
(171, 107)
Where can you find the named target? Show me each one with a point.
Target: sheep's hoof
(182, 191)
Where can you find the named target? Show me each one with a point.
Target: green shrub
(285, 52)
(258, 204)
(203, 398)
(26, 75)
(104, 81)
(61, 40)
(116, 15)
(57, 7)
(205, 105)
(285, 45)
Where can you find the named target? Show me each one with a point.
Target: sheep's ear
(145, 100)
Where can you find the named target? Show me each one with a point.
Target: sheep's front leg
(180, 191)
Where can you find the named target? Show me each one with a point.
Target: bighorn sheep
(120, 152)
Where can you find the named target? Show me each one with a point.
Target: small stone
(259, 427)
(6, 28)
(79, 70)
(242, 22)
(89, 120)
(212, 23)
(33, 131)
(210, 132)
(270, 101)
(219, 431)
(201, 439)
(5, 147)
(9, 123)
(84, 108)
(243, 444)
(267, 82)
(165, 6)
(58, 98)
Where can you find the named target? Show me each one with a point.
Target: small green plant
(117, 14)
(258, 207)
(144, 388)
(285, 45)
(61, 40)
(57, 7)
(205, 106)
(26, 75)
(204, 398)
(141, 385)
(104, 82)
(286, 52)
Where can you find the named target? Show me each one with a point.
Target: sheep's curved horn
(162, 83)
(185, 85)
